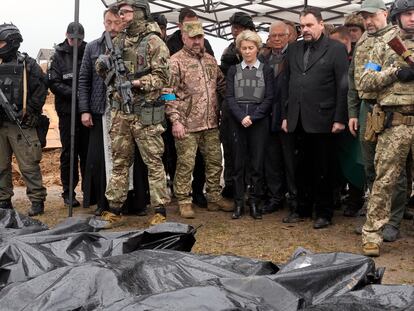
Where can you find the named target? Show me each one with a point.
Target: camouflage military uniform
(356, 108)
(127, 128)
(195, 79)
(395, 142)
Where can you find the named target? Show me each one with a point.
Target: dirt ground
(267, 239)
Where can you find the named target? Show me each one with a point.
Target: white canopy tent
(215, 14)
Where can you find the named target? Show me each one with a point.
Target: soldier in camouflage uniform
(146, 57)
(360, 102)
(356, 28)
(392, 79)
(195, 79)
(27, 100)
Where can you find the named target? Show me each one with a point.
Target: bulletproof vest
(135, 56)
(249, 84)
(11, 83)
(397, 93)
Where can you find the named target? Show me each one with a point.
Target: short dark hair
(186, 12)
(312, 10)
(342, 31)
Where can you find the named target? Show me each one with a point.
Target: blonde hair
(248, 35)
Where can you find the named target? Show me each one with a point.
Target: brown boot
(371, 249)
(186, 210)
(225, 205)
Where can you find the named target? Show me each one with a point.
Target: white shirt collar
(256, 64)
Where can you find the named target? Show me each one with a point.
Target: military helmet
(354, 20)
(242, 19)
(11, 35)
(400, 6)
(141, 4)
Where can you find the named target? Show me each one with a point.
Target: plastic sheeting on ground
(24, 256)
(118, 271)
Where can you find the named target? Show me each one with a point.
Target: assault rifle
(119, 73)
(398, 46)
(11, 115)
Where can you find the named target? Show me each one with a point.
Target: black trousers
(274, 176)
(226, 140)
(248, 147)
(315, 173)
(80, 151)
(170, 161)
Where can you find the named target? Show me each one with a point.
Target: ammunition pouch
(369, 134)
(149, 113)
(152, 113)
(378, 119)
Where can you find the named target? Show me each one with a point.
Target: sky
(43, 23)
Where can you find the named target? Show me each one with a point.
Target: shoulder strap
(22, 58)
(142, 47)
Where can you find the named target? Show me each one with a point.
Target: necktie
(306, 57)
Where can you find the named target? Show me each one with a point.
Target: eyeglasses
(124, 12)
(276, 35)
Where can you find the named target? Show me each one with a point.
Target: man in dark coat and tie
(315, 111)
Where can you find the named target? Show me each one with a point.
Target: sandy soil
(268, 239)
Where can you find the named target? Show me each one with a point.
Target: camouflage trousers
(209, 143)
(391, 154)
(28, 159)
(399, 193)
(125, 130)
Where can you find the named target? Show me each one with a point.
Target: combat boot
(186, 210)
(6, 204)
(371, 249)
(37, 208)
(222, 204)
(160, 216)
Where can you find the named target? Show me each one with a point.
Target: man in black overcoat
(315, 111)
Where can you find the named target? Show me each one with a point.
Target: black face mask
(8, 54)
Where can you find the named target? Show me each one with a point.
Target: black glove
(405, 74)
(30, 120)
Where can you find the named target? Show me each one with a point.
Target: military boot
(6, 204)
(222, 204)
(186, 210)
(37, 208)
(160, 216)
(371, 249)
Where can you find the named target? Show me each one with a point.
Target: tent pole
(73, 108)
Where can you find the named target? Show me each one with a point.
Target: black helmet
(398, 7)
(160, 19)
(242, 19)
(11, 35)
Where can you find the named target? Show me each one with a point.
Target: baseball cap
(372, 6)
(71, 31)
(193, 28)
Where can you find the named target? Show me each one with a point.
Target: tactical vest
(397, 93)
(11, 83)
(249, 84)
(135, 58)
